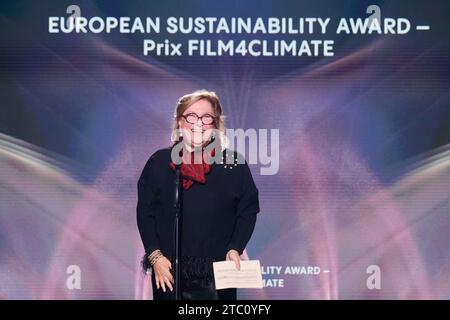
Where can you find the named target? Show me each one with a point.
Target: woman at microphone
(219, 202)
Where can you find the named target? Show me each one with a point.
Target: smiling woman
(219, 202)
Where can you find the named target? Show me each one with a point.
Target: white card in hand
(227, 276)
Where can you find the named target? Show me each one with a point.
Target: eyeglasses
(192, 118)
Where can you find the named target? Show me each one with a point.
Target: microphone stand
(177, 231)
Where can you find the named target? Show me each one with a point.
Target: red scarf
(194, 172)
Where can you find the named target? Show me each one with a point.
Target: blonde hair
(187, 100)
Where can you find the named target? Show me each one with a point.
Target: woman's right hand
(163, 276)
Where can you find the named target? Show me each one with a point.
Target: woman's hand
(233, 255)
(163, 276)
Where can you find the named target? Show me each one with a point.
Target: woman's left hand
(233, 255)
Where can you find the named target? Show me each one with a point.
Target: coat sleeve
(247, 209)
(147, 205)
